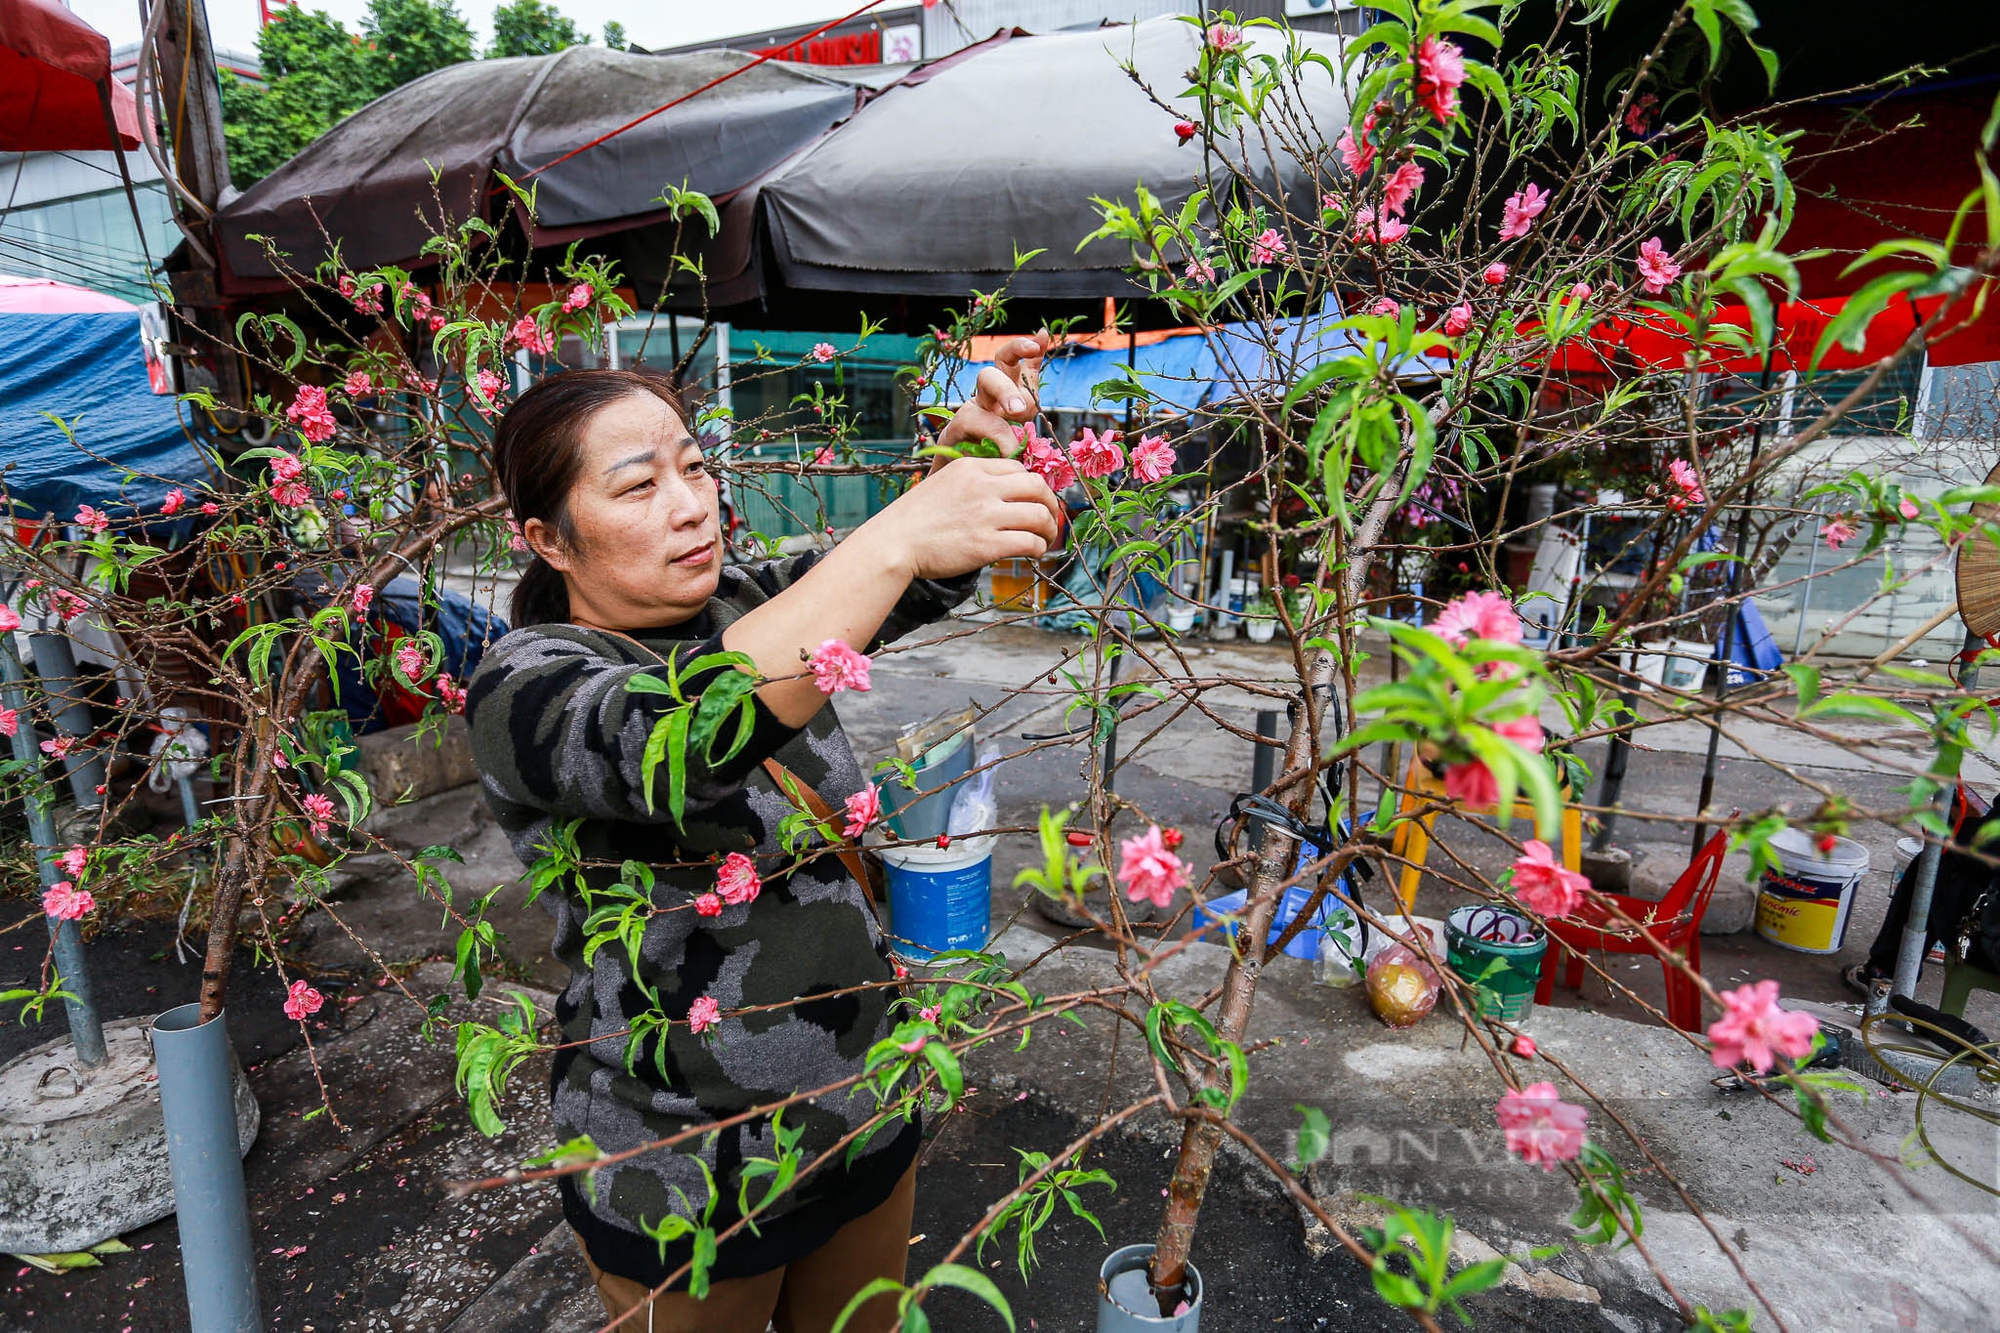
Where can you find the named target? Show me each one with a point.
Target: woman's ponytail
(541, 597)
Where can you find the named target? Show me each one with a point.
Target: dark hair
(538, 451)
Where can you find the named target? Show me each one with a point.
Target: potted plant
(1260, 619)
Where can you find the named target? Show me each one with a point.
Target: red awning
(52, 68)
(1662, 344)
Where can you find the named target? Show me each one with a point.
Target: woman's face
(648, 544)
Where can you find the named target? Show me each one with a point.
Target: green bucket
(1498, 952)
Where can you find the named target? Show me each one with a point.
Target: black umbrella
(368, 182)
(933, 186)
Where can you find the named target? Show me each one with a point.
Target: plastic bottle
(1333, 965)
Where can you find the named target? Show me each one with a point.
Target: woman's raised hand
(964, 516)
(1002, 397)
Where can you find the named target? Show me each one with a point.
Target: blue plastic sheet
(90, 371)
(466, 627)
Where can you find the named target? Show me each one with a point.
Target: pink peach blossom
(1580, 292)
(74, 860)
(358, 385)
(1199, 271)
(1757, 1030)
(1543, 884)
(863, 809)
(1657, 270)
(837, 667)
(737, 880)
(530, 336)
(67, 604)
(929, 1013)
(410, 656)
(1356, 153)
(450, 693)
(91, 519)
(291, 494)
(823, 352)
(579, 297)
(362, 597)
(1223, 38)
(1908, 508)
(1520, 211)
(704, 1014)
(319, 812)
(1838, 531)
(65, 902)
(1045, 458)
(1367, 231)
(1401, 187)
(302, 1000)
(1151, 872)
(10, 619)
(310, 413)
(1479, 615)
(708, 904)
(1471, 784)
(1385, 306)
(1440, 70)
(1097, 455)
(173, 501)
(1541, 1128)
(1267, 246)
(10, 722)
(1684, 476)
(1458, 319)
(1495, 274)
(1152, 459)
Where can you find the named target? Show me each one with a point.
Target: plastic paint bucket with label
(939, 900)
(1804, 904)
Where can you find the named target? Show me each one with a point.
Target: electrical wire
(690, 96)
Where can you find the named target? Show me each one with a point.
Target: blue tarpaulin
(90, 371)
(1190, 369)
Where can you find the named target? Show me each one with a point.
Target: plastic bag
(974, 809)
(1402, 987)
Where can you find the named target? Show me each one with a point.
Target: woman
(616, 501)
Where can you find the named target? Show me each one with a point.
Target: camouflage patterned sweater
(557, 737)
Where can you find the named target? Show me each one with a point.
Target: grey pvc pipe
(86, 1032)
(55, 663)
(198, 1102)
(1125, 1301)
(1916, 926)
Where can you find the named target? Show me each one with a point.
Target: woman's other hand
(1003, 396)
(964, 516)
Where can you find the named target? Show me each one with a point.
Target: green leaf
(877, 1287)
(969, 1280)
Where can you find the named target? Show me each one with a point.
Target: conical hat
(1979, 569)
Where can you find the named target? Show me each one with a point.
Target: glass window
(1963, 402)
(1889, 409)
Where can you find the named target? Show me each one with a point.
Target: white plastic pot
(1261, 629)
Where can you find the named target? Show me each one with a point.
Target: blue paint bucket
(939, 900)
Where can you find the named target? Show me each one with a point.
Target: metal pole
(205, 1154)
(1732, 622)
(1916, 926)
(86, 1032)
(1614, 775)
(1264, 765)
(55, 663)
(1805, 589)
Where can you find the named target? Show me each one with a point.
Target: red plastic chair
(1671, 926)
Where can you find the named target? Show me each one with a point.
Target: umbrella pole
(1732, 621)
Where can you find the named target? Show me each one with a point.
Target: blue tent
(1191, 369)
(90, 371)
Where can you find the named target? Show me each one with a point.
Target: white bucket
(940, 900)
(1686, 665)
(1650, 661)
(1907, 850)
(1804, 904)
